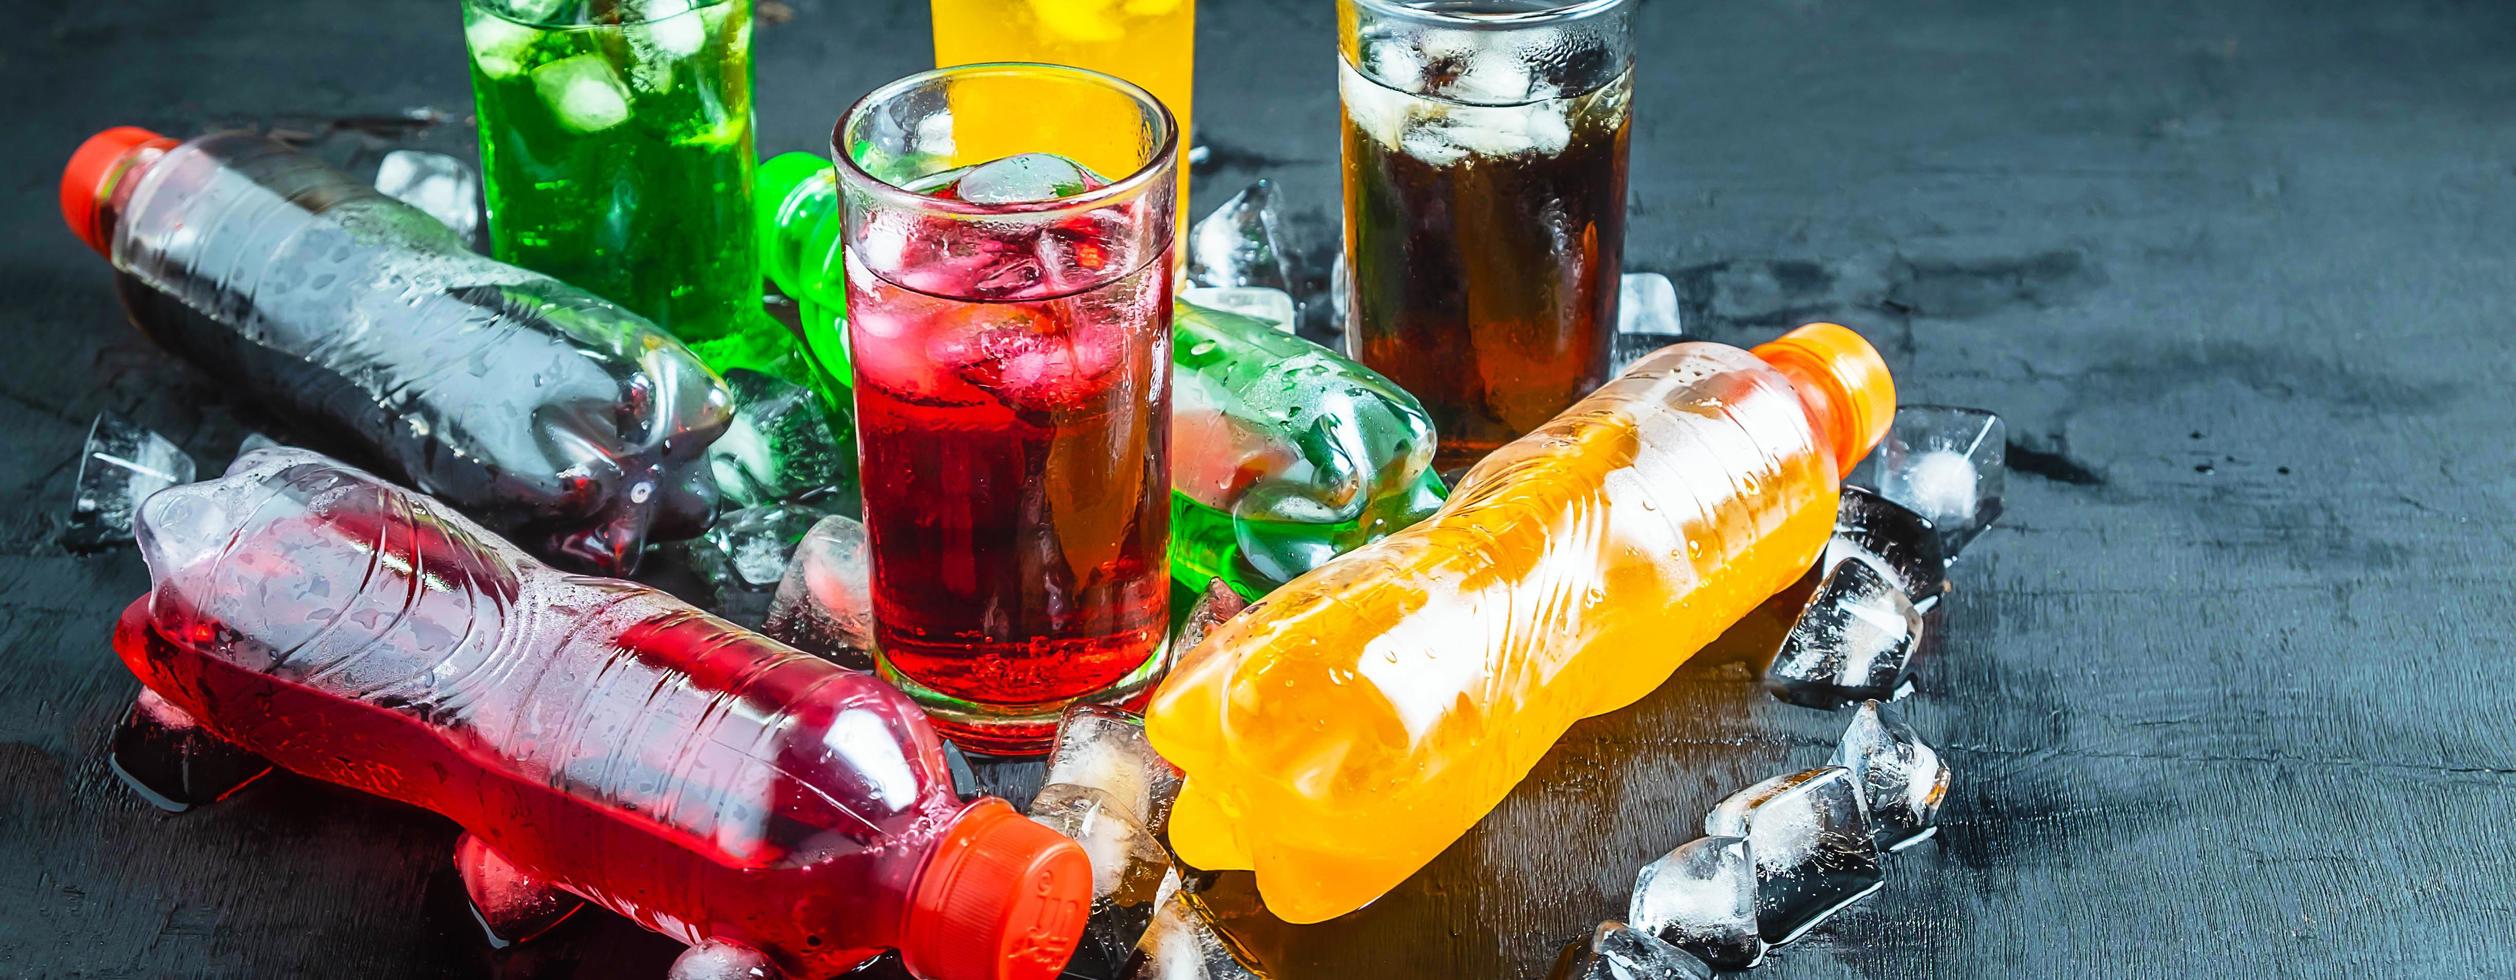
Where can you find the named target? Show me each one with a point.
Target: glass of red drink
(1485, 146)
(1008, 234)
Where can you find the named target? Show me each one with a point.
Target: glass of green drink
(616, 143)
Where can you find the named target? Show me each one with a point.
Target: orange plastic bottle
(1344, 731)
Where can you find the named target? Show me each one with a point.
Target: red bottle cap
(1000, 898)
(90, 177)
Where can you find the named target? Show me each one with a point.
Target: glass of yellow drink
(1149, 42)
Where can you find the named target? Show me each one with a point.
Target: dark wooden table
(2229, 693)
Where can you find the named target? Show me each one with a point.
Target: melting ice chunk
(510, 905)
(1105, 748)
(1947, 464)
(1180, 945)
(780, 445)
(1129, 867)
(1854, 641)
(1218, 604)
(441, 185)
(1812, 845)
(1646, 303)
(825, 604)
(174, 763)
(1892, 539)
(1238, 244)
(1618, 952)
(583, 92)
(719, 960)
(1701, 898)
(1901, 777)
(1025, 178)
(120, 466)
(754, 543)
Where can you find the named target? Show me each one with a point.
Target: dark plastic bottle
(571, 424)
(594, 737)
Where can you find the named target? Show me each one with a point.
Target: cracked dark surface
(2227, 695)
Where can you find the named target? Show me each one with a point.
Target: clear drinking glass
(1485, 203)
(1009, 313)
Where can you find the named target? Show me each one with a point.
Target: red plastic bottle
(596, 738)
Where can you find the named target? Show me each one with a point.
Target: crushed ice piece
(1901, 778)
(780, 445)
(510, 905)
(1216, 605)
(500, 45)
(1701, 898)
(1272, 305)
(1241, 243)
(174, 763)
(825, 604)
(1179, 944)
(747, 550)
(1619, 952)
(255, 442)
(120, 466)
(1893, 539)
(1811, 841)
(1854, 641)
(1646, 303)
(720, 960)
(1129, 867)
(1105, 748)
(1024, 178)
(1947, 464)
(441, 185)
(583, 92)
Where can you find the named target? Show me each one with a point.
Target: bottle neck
(1842, 384)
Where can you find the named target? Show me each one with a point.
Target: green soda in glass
(616, 146)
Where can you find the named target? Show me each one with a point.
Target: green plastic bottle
(1284, 454)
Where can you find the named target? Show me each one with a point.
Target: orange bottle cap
(90, 177)
(1000, 898)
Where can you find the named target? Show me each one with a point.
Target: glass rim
(499, 9)
(1165, 155)
(1438, 12)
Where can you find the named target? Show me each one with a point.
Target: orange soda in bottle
(1345, 730)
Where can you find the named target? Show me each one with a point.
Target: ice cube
(1701, 898)
(780, 445)
(1105, 748)
(120, 466)
(174, 763)
(1274, 306)
(1646, 303)
(1025, 178)
(256, 442)
(508, 904)
(1129, 866)
(1811, 841)
(1619, 952)
(1947, 464)
(1854, 641)
(1218, 604)
(1491, 68)
(1892, 539)
(1180, 945)
(751, 546)
(1239, 244)
(825, 604)
(669, 31)
(499, 45)
(441, 185)
(1902, 779)
(717, 959)
(583, 93)
(1032, 362)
